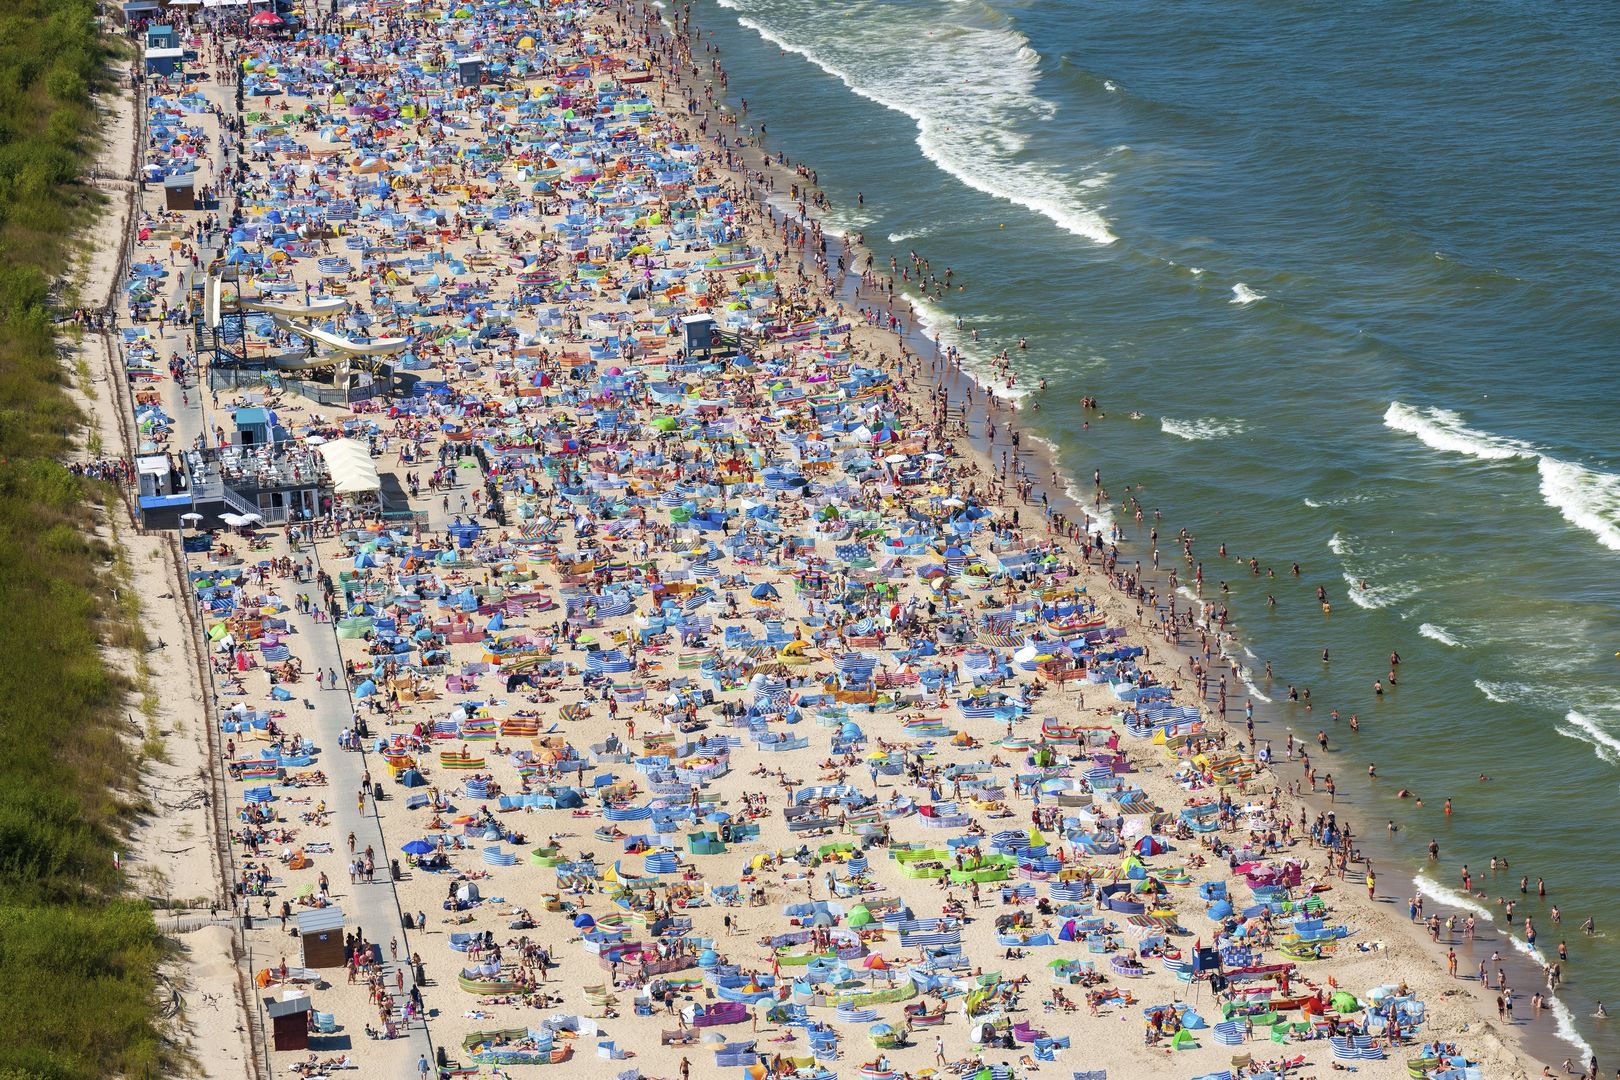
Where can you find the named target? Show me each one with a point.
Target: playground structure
(348, 365)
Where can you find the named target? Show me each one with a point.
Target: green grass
(77, 959)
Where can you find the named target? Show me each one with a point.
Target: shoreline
(1272, 722)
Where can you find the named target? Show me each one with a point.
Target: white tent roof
(349, 462)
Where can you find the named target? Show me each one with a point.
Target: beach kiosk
(320, 930)
(164, 493)
(136, 10)
(289, 1021)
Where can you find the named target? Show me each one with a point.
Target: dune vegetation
(77, 955)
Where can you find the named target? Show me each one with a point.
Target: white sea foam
(1450, 898)
(969, 89)
(1347, 500)
(1376, 597)
(1439, 633)
(1587, 499)
(902, 237)
(1564, 1028)
(1196, 271)
(1563, 1019)
(1502, 693)
(1098, 518)
(940, 326)
(1373, 595)
(1242, 294)
(1110, 86)
(1200, 429)
(1360, 597)
(847, 220)
(1584, 728)
(1254, 691)
(1445, 430)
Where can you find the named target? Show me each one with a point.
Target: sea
(1343, 281)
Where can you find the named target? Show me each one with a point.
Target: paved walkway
(372, 908)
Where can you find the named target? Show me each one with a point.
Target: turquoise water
(1356, 269)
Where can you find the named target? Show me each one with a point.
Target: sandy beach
(742, 710)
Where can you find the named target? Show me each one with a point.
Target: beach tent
(350, 465)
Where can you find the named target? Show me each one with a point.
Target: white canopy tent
(350, 465)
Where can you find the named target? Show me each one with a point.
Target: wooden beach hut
(289, 1021)
(320, 931)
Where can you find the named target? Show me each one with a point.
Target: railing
(232, 378)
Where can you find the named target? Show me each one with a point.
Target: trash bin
(376, 791)
(408, 921)
(395, 864)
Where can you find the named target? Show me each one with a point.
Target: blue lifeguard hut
(163, 52)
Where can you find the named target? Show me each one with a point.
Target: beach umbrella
(266, 18)
(417, 847)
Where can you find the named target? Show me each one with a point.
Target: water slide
(316, 309)
(294, 318)
(215, 304)
(347, 347)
